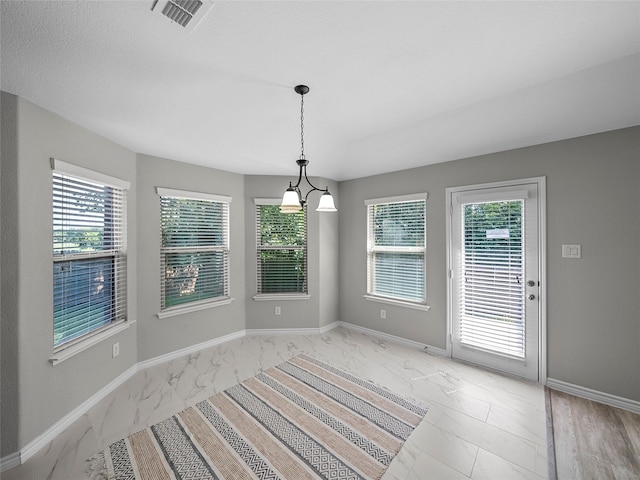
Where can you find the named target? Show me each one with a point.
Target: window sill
(68, 352)
(281, 296)
(401, 303)
(194, 307)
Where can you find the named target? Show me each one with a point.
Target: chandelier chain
(293, 199)
(302, 127)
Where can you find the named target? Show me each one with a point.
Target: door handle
(532, 296)
(531, 283)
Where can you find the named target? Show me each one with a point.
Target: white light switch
(571, 251)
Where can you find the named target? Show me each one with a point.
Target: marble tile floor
(480, 425)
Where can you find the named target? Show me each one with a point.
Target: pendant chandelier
(293, 201)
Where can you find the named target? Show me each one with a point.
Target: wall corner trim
(595, 395)
(10, 461)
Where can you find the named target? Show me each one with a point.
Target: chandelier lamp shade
(292, 200)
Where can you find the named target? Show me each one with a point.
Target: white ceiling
(393, 84)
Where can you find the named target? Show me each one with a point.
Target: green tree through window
(282, 250)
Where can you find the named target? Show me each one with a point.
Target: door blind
(492, 285)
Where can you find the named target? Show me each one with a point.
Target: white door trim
(542, 245)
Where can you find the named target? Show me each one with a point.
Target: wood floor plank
(593, 440)
(567, 462)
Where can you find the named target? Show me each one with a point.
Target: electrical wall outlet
(278, 311)
(383, 314)
(116, 349)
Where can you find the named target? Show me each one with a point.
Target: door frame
(542, 262)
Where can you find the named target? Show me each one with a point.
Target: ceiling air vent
(187, 13)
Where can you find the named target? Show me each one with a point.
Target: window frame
(372, 249)
(224, 247)
(119, 321)
(259, 202)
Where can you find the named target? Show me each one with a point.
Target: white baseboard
(15, 459)
(394, 339)
(595, 395)
(10, 461)
(291, 331)
(189, 350)
(328, 328)
(18, 458)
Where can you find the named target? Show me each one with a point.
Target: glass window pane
(282, 253)
(399, 224)
(82, 297)
(399, 275)
(283, 271)
(187, 222)
(190, 277)
(89, 268)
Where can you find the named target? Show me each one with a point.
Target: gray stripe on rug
(373, 450)
(182, 455)
(306, 448)
(121, 461)
(412, 406)
(245, 451)
(381, 418)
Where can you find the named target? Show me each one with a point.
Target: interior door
(495, 277)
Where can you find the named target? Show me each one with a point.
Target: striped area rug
(303, 419)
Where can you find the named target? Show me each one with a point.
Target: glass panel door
(494, 278)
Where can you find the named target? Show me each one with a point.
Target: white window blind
(396, 248)
(89, 253)
(492, 285)
(194, 253)
(281, 240)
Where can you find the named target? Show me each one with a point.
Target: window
(89, 253)
(396, 249)
(281, 240)
(194, 253)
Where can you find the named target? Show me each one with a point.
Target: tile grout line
(475, 460)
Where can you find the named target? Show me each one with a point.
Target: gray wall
(322, 260)
(328, 251)
(160, 336)
(9, 275)
(32, 136)
(593, 303)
